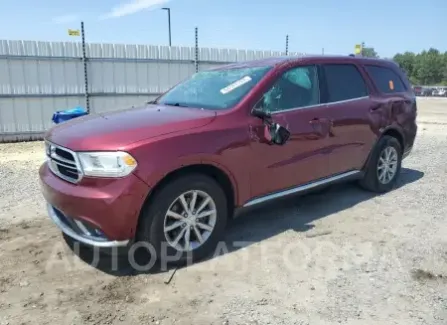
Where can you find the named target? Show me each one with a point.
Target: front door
(294, 102)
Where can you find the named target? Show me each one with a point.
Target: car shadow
(252, 226)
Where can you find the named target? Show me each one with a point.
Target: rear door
(346, 94)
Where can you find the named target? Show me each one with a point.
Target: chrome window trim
(76, 162)
(319, 105)
(319, 91)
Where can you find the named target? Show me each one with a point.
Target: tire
(371, 181)
(151, 228)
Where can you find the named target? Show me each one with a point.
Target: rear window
(344, 82)
(386, 80)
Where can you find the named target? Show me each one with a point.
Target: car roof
(284, 60)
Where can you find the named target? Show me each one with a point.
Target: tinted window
(296, 88)
(214, 89)
(344, 82)
(386, 80)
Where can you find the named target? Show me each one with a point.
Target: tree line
(424, 68)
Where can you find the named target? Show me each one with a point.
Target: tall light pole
(169, 23)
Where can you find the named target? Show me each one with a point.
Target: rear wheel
(185, 219)
(384, 166)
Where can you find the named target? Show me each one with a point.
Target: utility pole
(84, 61)
(196, 60)
(77, 33)
(169, 24)
(287, 45)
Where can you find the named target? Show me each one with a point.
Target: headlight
(107, 164)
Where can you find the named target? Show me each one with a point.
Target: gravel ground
(342, 256)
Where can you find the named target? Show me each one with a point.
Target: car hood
(115, 130)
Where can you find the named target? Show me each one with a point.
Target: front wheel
(384, 166)
(185, 219)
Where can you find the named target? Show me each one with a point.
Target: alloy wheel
(387, 165)
(190, 220)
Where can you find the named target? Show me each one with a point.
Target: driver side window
(296, 88)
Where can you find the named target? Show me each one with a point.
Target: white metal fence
(39, 78)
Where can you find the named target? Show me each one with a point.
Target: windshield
(214, 89)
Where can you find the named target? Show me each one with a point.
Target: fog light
(99, 233)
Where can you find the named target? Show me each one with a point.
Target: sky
(390, 26)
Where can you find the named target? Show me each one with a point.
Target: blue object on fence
(62, 116)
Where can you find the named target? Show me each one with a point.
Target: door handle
(323, 126)
(318, 121)
(375, 107)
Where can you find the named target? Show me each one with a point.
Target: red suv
(172, 172)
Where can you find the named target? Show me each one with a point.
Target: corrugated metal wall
(39, 78)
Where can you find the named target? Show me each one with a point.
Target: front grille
(63, 162)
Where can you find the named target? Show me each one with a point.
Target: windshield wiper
(175, 104)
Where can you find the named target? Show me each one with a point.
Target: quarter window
(296, 88)
(386, 80)
(344, 82)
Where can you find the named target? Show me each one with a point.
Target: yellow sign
(74, 32)
(358, 49)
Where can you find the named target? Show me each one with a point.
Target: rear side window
(344, 82)
(386, 80)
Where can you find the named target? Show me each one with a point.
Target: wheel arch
(392, 131)
(214, 171)
(395, 133)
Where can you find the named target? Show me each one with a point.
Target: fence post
(197, 50)
(287, 44)
(84, 61)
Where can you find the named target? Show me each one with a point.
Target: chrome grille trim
(55, 161)
(63, 164)
(70, 162)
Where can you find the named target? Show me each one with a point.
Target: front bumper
(80, 233)
(96, 211)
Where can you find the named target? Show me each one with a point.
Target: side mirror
(276, 133)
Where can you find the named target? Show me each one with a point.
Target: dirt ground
(342, 256)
